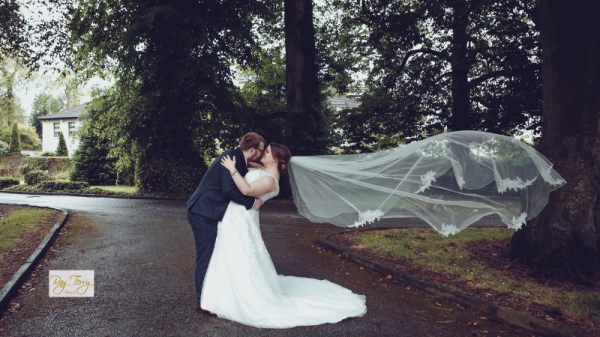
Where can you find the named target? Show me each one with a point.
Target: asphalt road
(142, 253)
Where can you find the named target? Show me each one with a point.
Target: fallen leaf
(436, 303)
(389, 277)
(446, 321)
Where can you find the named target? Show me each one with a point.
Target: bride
(241, 282)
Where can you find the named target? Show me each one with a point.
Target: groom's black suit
(207, 206)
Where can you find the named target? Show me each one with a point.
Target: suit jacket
(217, 188)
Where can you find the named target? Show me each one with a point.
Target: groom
(207, 205)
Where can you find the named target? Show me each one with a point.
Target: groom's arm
(231, 192)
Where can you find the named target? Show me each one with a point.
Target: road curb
(90, 195)
(500, 313)
(10, 289)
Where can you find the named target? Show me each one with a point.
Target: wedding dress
(242, 285)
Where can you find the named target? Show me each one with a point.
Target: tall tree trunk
(565, 238)
(10, 99)
(302, 84)
(460, 68)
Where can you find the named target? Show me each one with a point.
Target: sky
(46, 83)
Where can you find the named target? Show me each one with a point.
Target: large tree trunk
(460, 68)
(302, 84)
(564, 239)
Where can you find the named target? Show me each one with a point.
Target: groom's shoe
(205, 312)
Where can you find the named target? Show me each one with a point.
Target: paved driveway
(142, 253)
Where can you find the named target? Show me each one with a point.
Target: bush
(4, 147)
(62, 185)
(168, 174)
(7, 182)
(15, 140)
(28, 136)
(62, 146)
(90, 162)
(36, 176)
(48, 154)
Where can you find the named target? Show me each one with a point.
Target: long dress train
(242, 284)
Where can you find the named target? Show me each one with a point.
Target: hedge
(7, 182)
(35, 177)
(62, 185)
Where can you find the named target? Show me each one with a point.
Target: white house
(66, 121)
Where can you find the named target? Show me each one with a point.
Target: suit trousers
(205, 235)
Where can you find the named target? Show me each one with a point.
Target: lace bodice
(255, 174)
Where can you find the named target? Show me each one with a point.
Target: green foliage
(48, 154)
(29, 139)
(62, 150)
(7, 182)
(4, 148)
(412, 53)
(35, 177)
(15, 140)
(169, 175)
(264, 97)
(174, 91)
(91, 164)
(35, 163)
(44, 104)
(62, 185)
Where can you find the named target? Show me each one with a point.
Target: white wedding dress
(242, 285)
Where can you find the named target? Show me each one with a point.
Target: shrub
(7, 182)
(62, 146)
(4, 147)
(35, 177)
(169, 174)
(28, 136)
(48, 154)
(15, 140)
(90, 162)
(62, 185)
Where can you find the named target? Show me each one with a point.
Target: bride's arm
(259, 187)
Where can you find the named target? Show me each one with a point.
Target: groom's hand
(257, 204)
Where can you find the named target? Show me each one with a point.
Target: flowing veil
(450, 180)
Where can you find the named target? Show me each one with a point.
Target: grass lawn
(450, 258)
(123, 189)
(13, 226)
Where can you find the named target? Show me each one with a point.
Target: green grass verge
(16, 224)
(449, 256)
(122, 189)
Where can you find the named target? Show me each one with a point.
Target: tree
(38, 42)
(173, 94)
(62, 149)
(306, 129)
(90, 162)
(15, 140)
(440, 65)
(12, 74)
(565, 238)
(29, 139)
(44, 104)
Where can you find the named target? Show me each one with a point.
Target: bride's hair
(282, 154)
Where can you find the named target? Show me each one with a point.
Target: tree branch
(477, 81)
(425, 51)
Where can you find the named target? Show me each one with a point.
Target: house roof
(340, 103)
(66, 114)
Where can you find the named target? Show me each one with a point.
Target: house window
(56, 129)
(71, 128)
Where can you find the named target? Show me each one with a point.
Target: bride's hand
(228, 163)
